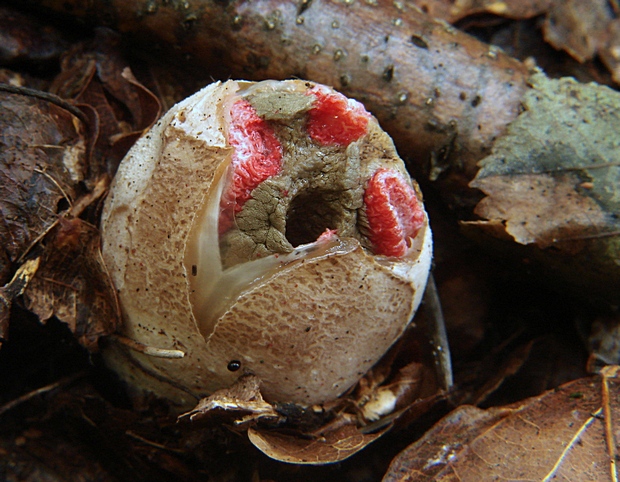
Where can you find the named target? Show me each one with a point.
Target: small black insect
(234, 365)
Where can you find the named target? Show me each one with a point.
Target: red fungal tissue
(394, 213)
(334, 119)
(257, 157)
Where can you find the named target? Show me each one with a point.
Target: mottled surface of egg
(266, 228)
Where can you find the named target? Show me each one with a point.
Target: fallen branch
(443, 96)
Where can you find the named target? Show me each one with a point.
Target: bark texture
(443, 96)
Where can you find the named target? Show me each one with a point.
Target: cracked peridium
(324, 170)
(303, 157)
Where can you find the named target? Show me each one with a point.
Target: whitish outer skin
(309, 332)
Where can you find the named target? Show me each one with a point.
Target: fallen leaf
(95, 75)
(41, 160)
(12, 290)
(337, 439)
(453, 11)
(578, 27)
(315, 435)
(243, 400)
(330, 446)
(610, 53)
(72, 283)
(582, 29)
(564, 434)
(524, 203)
(553, 181)
(56, 162)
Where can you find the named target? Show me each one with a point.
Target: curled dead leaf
(41, 160)
(42, 168)
(323, 434)
(331, 446)
(73, 285)
(335, 438)
(96, 76)
(57, 158)
(564, 434)
(242, 400)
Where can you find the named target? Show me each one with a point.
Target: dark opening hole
(62, 205)
(310, 214)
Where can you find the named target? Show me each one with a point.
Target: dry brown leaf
(453, 11)
(525, 202)
(578, 27)
(243, 400)
(336, 439)
(52, 150)
(72, 283)
(97, 78)
(565, 434)
(332, 445)
(582, 29)
(42, 158)
(610, 53)
(43, 164)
